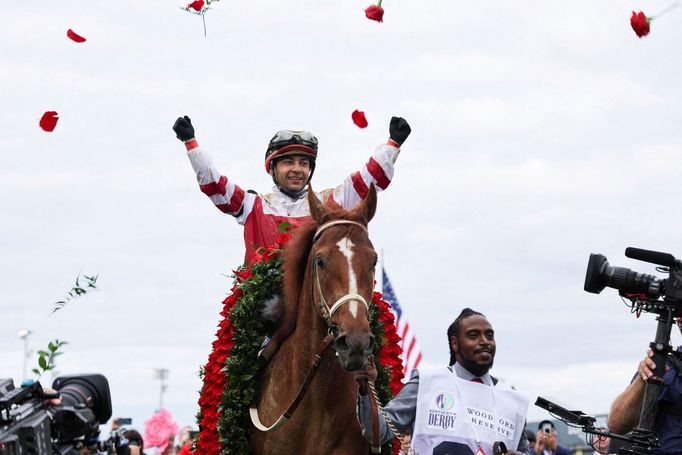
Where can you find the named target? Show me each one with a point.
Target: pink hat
(159, 430)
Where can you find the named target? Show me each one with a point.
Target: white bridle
(327, 311)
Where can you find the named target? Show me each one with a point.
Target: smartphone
(547, 428)
(125, 421)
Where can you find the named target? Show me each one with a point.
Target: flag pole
(381, 262)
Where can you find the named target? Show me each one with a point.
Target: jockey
(290, 160)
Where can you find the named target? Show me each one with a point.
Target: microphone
(655, 257)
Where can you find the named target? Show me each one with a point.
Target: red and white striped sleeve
(378, 170)
(229, 197)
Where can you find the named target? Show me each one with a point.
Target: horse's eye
(374, 264)
(319, 261)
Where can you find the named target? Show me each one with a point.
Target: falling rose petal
(48, 121)
(375, 13)
(196, 5)
(359, 119)
(75, 36)
(640, 23)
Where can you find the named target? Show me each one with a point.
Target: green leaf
(42, 362)
(35, 371)
(51, 346)
(43, 353)
(284, 226)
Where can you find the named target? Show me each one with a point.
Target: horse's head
(343, 260)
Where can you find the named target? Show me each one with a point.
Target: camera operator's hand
(183, 128)
(52, 401)
(369, 373)
(647, 367)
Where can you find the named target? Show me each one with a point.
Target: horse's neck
(322, 405)
(310, 327)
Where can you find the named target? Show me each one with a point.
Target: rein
(327, 314)
(286, 415)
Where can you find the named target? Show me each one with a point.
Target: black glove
(183, 128)
(399, 130)
(499, 448)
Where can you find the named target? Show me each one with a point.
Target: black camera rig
(578, 419)
(647, 293)
(29, 423)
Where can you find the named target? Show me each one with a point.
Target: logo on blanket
(445, 401)
(441, 415)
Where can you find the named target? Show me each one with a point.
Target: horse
(328, 281)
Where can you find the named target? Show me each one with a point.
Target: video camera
(643, 289)
(30, 426)
(651, 294)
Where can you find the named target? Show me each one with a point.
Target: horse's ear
(317, 208)
(368, 206)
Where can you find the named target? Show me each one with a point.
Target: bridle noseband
(326, 310)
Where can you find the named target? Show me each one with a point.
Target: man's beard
(475, 368)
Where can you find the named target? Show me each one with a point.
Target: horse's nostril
(341, 343)
(370, 344)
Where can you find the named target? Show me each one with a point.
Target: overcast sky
(542, 131)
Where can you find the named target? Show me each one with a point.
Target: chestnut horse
(328, 282)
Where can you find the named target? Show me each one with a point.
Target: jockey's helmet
(288, 142)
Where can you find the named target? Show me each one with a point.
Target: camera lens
(86, 391)
(600, 275)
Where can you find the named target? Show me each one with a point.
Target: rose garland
(223, 417)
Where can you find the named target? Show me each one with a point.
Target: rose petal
(48, 121)
(640, 23)
(359, 119)
(74, 36)
(375, 13)
(196, 5)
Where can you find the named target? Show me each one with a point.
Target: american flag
(412, 355)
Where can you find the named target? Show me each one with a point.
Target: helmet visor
(289, 137)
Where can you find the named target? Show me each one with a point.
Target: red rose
(359, 119)
(196, 5)
(48, 121)
(375, 12)
(242, 275)
(640, 23)
(283, 238)
(74, 36)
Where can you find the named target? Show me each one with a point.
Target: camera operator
(627, 406)
(546, 442)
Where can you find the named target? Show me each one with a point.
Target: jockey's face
(292, 172)
(474, 347)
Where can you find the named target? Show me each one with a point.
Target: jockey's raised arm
(290, 161)
(378, 170)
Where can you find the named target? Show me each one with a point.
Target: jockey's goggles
(288, 142)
